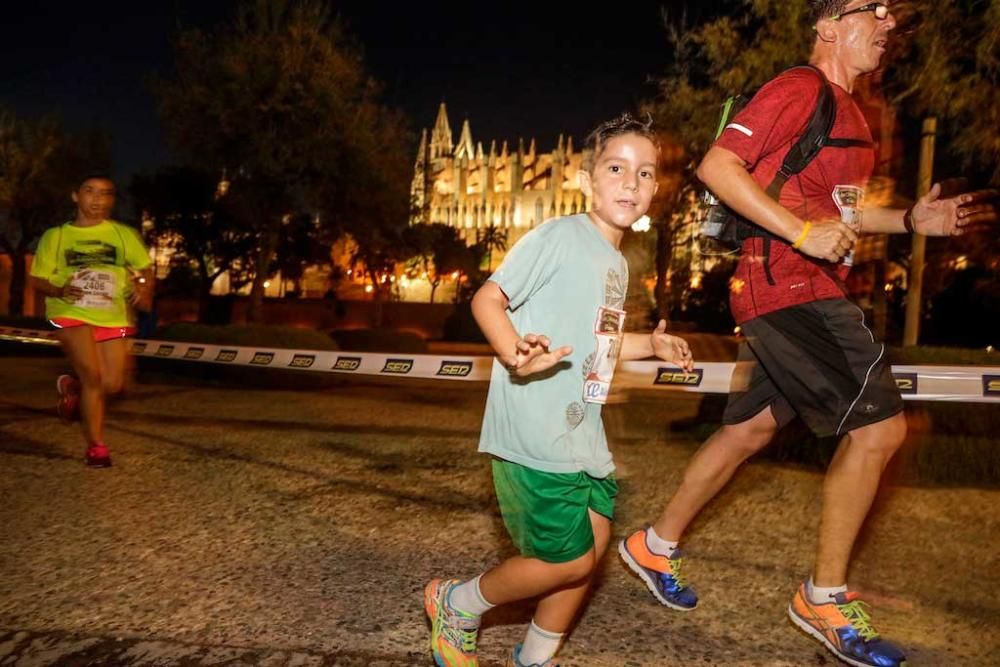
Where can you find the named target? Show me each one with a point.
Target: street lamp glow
(641, 225)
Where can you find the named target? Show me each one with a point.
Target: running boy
(85, 270)
(553, 313)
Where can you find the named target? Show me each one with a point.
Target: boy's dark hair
(626, 123)
(94, 176)
(821, 9)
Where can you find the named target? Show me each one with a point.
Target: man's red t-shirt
(761, 134)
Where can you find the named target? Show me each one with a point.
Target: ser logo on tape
(226, 355)
(138, 348)
(302, 361)
(906, 382)
(674, 377)
(262, 358)
(165, 350)
(991, 385)
(347, 364)
(398, 366)
(455, 368)
(194, 353)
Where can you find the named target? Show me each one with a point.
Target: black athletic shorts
(818, 361)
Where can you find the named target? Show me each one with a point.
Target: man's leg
(848, 492)
(711, 468)
(824, 608)
(653, 553)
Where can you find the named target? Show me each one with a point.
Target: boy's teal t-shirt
(566, 281)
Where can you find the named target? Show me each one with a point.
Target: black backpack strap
(848, 143)
(813, 138)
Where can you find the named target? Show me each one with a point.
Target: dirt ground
(263, 527)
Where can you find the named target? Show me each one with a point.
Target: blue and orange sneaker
(514, 660)
(844, 626)
(662, 574)
(453, 633)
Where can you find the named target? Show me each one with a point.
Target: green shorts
(547, 514)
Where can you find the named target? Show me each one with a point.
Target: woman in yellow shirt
(91, 270)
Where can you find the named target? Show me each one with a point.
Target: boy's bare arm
(658, 344)
(521, 356)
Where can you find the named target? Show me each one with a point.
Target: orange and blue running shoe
(453, 633)
(844, 626)
(514, 660)
(662, 574)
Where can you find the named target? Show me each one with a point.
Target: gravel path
(262, 527)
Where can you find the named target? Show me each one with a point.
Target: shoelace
(460, 631)
(857, 613)
(675, 565)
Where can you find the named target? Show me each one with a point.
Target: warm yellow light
(369, 289)
(888, 287)
(267, 283)
(641, 225)
(696, 281)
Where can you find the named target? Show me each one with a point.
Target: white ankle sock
(657, 544)
(539, 645)
(467, 598)
(822, 595)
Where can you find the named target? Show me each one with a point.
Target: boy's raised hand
(532, 355)
(671, 348)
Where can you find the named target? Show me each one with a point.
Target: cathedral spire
(422, 150)
(441, 144)
(465, 146)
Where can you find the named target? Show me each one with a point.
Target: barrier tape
(971, 384)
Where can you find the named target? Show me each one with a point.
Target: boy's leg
(557, 611)
(454, 629)
(548, 518)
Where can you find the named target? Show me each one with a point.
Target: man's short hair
(822, 9)
(625, 123)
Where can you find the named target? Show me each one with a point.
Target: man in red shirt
(808, 351)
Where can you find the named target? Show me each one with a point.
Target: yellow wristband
(802, 235)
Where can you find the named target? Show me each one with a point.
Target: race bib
(850, 200)
(608, 330)
(98, 289)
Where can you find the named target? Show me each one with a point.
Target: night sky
(526, 69)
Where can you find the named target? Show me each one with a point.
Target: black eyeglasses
(880, 10)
